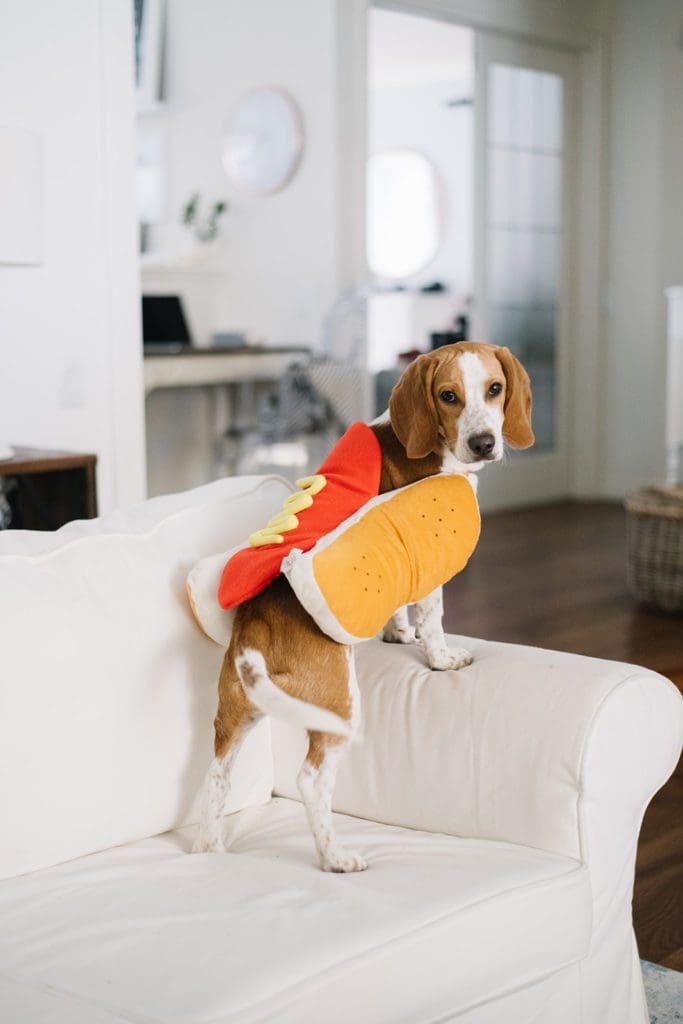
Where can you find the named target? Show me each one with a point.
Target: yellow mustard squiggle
(287, 519)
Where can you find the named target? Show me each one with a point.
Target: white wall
(70, 354)
(69, 340)
(645, 235)
(415, 117)
(274, 272)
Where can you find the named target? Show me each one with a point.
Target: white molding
(351, 110)
(674, 385)
(538, 475)
(351, 74)
(558, 24)
(588, 327)
(122, 284)
(507, 485)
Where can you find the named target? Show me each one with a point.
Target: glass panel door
(523, 110)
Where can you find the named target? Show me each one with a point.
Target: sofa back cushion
(107, 685)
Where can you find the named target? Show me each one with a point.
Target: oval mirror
(404, 229)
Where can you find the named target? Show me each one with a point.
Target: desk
(201, 367)
(183, 453)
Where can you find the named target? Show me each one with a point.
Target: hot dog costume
(347, 479)
(351, 555)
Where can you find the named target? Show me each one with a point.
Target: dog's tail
(269, 698)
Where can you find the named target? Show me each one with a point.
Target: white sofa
(498, 807)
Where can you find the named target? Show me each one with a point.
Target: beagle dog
(452, 411)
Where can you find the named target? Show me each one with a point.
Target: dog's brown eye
(495, 389)
(448, 396)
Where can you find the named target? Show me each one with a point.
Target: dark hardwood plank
(554, 576)
(674, 961)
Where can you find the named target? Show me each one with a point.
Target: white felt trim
(202, 592)
(202, 585)
(297, 567)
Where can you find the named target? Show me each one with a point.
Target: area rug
(664, 991)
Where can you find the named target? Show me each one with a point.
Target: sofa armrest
(527, 746)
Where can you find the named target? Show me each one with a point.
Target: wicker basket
(655, 547)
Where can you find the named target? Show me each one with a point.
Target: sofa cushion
(436, 924)
(108, 687)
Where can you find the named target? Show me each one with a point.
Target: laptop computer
(164, 327)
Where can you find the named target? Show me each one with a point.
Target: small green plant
(205, 229)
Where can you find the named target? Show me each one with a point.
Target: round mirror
(404, 228)
(263, 142)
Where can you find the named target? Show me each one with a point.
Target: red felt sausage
(352, 471)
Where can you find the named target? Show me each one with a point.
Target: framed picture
(149, 34)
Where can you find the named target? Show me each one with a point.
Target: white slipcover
(555, 751)
(107, 687)
(498, 888)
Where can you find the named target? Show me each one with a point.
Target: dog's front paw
(398, 634)
(341, 861)
(453, 659)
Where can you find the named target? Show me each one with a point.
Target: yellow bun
(394, 551)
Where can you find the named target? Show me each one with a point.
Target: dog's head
(466, 399)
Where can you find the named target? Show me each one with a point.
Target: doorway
(469, 172)
(420, 249)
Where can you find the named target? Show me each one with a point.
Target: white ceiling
(405, 49)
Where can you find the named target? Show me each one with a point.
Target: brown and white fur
(451, 412)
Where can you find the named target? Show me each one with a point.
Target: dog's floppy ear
(412, 409)
(517, 422)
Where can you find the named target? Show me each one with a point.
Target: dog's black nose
(482, 444)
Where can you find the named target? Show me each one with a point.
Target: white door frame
(539, 476)
(122, 284)
(586, 369)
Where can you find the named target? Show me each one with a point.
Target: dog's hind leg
(234, 720)
(316, 783)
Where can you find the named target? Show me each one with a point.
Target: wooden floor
(555, 577)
